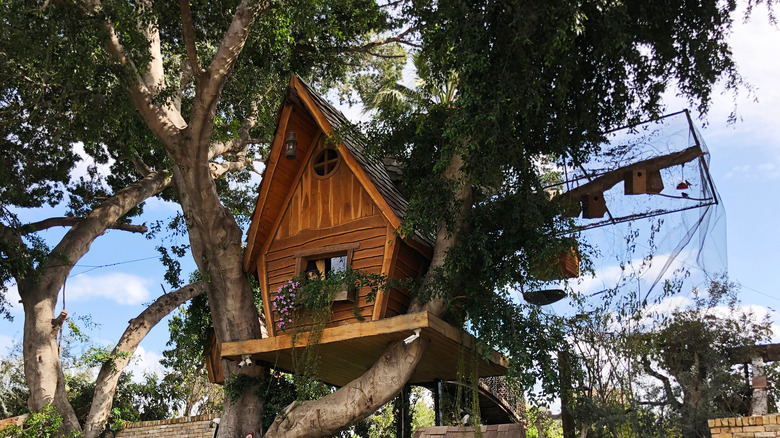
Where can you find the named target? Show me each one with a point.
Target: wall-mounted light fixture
(290, 146)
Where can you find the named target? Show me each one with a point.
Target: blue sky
(745, 165)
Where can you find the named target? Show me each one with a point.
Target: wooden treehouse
(324, 205)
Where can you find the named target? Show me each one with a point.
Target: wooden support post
(567, 398)
(437, 395)
(403, 419)
(759, 404)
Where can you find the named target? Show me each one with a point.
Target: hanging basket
(564, 265)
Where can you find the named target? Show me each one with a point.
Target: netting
(649, 210)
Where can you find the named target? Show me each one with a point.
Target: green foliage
(664, 374)
(383, 422)
(536, 81)
(693, 347)
(13, 388)
(44, 424)
(185, 358)
(540, 424)
(422, 412)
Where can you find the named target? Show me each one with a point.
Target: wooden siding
(281, 263)
(323, 212)
(323, 203)
(408, 264)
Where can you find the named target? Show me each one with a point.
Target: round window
(325, 163)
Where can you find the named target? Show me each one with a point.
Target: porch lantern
(290, 146)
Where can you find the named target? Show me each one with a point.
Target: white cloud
(610, 276)
(765, 171)
(157, 205)
(125, 289)
(144, 362)
(758, 312)
(668, 305)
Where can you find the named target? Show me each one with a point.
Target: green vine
(304, 306)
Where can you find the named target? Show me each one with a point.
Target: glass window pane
(338, 264)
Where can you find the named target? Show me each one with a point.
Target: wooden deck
(347, 351)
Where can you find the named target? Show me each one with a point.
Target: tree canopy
(185, 95)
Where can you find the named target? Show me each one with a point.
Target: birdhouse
(562, 266)
(641, 181)
(593, 205)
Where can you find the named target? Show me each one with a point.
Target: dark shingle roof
(374, 168)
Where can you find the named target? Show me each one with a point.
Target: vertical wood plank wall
(323, 212)
(407, 265)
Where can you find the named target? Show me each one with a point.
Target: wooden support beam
(608, 180)
(347, 351)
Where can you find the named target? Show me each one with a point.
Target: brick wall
(764, 426)
(13, 421)
(200, 426)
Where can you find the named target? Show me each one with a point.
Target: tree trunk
(42, 367)
(355, 401)
(215, 239)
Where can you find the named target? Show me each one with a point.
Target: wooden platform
(346, 352)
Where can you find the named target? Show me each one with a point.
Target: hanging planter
(564, 265)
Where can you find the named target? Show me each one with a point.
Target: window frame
(317, 155)
(302, 257)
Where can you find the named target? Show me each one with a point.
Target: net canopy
(647, 211)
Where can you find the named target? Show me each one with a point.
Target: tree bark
(42, 367)
(137, 329)
(355, 401)
(215, 240)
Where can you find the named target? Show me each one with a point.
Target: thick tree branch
(354, 401)
(219, 169)
(79, 238)
(188, 30)
(609, 179)
(238, 145)
(446, 238)
(231, 46)
(73, 221)
(165, 123)
(154, 73)
(140, 166)
(208, 95)
(137, 329)
(670, 398)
